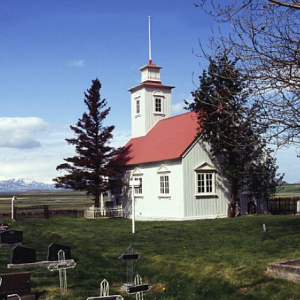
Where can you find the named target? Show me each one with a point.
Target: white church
(178, 180)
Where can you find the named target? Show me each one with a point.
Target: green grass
(209, 259)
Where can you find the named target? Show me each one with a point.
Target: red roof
(168, 139)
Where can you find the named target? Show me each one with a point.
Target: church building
(178, 179)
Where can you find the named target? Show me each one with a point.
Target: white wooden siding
(143, 122)
(202, 206)
(151, 205)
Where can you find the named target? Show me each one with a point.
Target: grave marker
(61, 266)
(11, 237)
(138, 288)
(104, 293)
(23, 255)
(53, 250)
(130, 258)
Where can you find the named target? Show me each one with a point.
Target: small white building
(178, 178)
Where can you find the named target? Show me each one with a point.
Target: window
(204, 183)
(164, 173)
(158, 105)
(205, 179)
(164, 185)
(138, 106)
(139, 190)
(137, 175)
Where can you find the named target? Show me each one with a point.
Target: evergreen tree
(93, 169)
(220, 103)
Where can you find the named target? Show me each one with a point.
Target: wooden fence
(44, 211)
(283, 206)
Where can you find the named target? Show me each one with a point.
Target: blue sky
(52, 49)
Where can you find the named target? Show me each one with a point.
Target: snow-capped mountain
(23, 184)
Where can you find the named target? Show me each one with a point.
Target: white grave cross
(138, 281)
(104, 293)
(61, 266)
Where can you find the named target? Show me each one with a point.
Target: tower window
(138, 106)
(158, 105)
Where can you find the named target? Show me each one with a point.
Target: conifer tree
(93, 168)
(220, 103)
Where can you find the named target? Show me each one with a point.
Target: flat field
(58, 199)
(289, 190)
(192, 260)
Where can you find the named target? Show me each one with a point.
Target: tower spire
(149, 27)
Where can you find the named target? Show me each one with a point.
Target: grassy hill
(210, 259)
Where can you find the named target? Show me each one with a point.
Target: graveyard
(209, 259)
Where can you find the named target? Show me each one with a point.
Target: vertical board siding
(204, 206)
(182, 203)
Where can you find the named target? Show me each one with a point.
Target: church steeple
(151, 100)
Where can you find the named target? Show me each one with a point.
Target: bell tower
(150, 100)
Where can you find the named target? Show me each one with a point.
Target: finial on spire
(150, 56)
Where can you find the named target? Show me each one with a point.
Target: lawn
(209, 259)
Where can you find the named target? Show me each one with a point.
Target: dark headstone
(23, 255)
(53, 250)
(130, 256)
(11, 237)
(138, 288)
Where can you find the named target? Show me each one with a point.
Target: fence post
(46, 211)
(15, 213)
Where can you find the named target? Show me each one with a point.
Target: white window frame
(137, 106)
(138, 175)
(164, 184)
(158, 96)
(158, 103)
(164, 191)
(207, 183)
(138, 191)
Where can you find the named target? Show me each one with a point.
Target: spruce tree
(93, 168)
(235, 143)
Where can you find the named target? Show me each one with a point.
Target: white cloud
(40, 163)
(21, 133)
(76, 63)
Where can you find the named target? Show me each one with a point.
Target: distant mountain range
(23, 184)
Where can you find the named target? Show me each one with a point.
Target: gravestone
(23, 255)
(53, 250)
(11, 237)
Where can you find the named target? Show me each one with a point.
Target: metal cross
(129, 257)
(104, 293)
(61, 266)
(138, 281)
